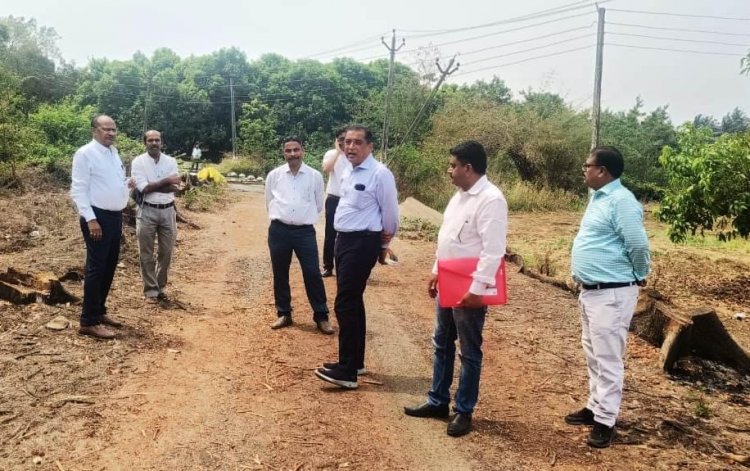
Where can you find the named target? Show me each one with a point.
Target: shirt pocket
(465, 229)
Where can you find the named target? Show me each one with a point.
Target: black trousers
(332, 202)
(101, 263)
(283, 239)
(356, 254)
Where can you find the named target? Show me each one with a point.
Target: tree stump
(700, 332)
(26, 288)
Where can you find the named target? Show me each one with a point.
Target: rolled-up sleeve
(492, 226)
(79, 186)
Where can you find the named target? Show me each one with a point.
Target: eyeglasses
(585, 167)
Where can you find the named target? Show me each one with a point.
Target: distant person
(610, 260)
(157, 177)
(100, 191)
(294, 199)
(366, 221)
(475, 225)
(334, 164)
(195, 158)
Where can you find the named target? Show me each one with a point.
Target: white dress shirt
(369, 200)
(294, 199)
(146, 170)
(335, 175)
(475, 225)
(98, 179)
(196, 155)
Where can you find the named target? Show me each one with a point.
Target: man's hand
(385, 237)
(432, 288)
(386, 255)
(471, 301)
(131, 183)
(95, 230)
(172, 180)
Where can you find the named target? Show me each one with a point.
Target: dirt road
(213, 387)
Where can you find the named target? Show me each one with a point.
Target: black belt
(290, 226)
(609, 285)
(359, 234)
(107, 211)
(159, 206)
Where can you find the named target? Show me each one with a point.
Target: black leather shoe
(333, 365)
(427, 410)
(325, 327)
(582, 417)
(327, 273)
(282, 321)
(601, 436)
(460, 425)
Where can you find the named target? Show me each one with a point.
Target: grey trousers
(159, 224)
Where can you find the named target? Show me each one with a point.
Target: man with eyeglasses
(610, 260)
(157, 177)
(334, 164)
(100, 190)
(366, 221)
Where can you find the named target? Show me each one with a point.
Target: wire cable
(684, 30)
(683, 15)
(708, 53)
(558, 53)
(535, 48)
(609, 33)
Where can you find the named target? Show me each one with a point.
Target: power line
(708, 53)
(348, 46)
(609, 33)
(684, 15)
(558, 53)
(491, 34)
(513, 43)
(684, 30)
(518, 19)
(536, 48)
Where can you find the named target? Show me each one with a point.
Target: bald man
(99, 189)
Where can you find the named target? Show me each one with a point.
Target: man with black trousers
(294, 199)
(100, 191)
(366, 220)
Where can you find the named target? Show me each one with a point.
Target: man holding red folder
(475, 225)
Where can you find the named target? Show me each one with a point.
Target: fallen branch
(72, 399)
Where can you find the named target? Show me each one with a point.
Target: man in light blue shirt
(366, 220)
(610, 260)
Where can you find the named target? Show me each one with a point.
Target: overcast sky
(689, 82)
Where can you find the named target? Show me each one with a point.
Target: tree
(735, 121)
(709, 184)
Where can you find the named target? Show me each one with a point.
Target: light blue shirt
(611, 245)
(369, 200)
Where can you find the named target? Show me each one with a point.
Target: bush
(249, 165)
(525, 197)
(204, 197)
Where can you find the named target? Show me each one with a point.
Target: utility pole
(392, 49)
(234, 129)
(145, 107)
(595, 111)
(444, 73)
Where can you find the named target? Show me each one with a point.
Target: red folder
(454, 281)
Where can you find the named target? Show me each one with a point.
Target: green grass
(415, 228)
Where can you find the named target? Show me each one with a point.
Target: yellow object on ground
(210, 174)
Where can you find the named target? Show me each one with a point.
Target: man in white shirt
(366, 221)
(475, 225)
(157, 177)
(100, 189)
(294, 199)
(334, 164)
(195, 157)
